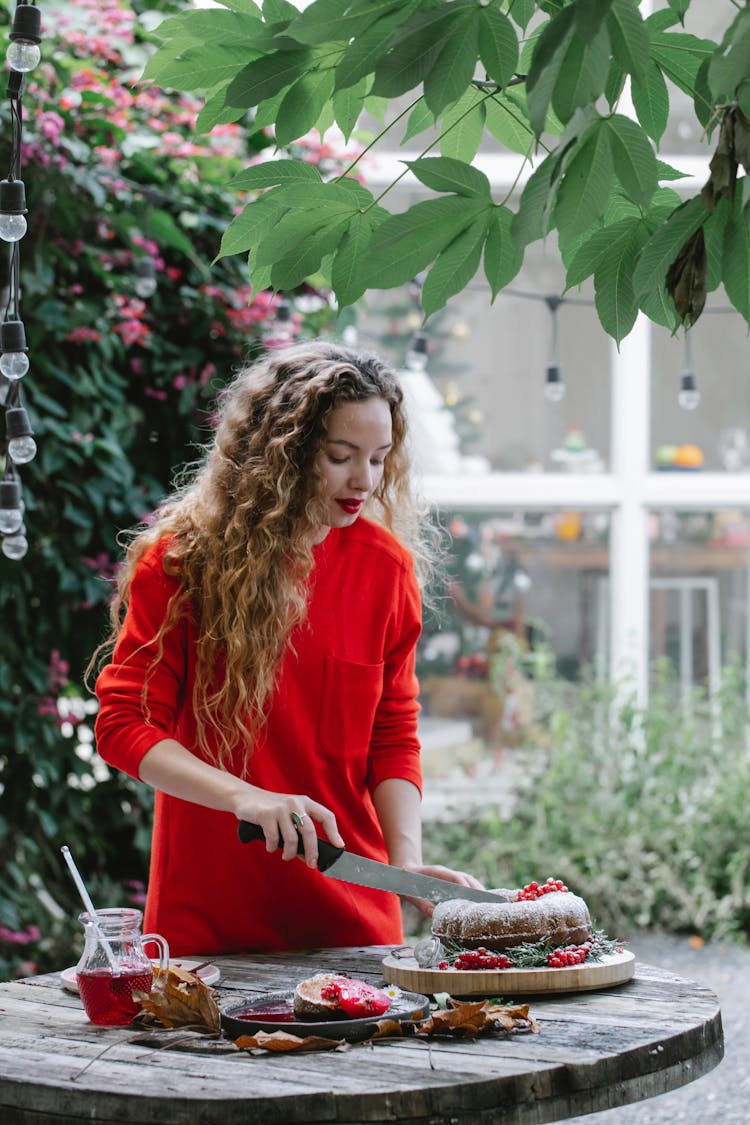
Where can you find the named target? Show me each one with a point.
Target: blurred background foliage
(119, 393)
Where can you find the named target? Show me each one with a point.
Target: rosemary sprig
(533, 955)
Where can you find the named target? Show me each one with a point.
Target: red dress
(343, 719)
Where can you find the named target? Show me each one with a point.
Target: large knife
(351, 868)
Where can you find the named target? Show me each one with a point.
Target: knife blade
(352, 868)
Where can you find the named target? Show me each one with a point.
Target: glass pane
(715, 434)
(699, 593)
(486, 369)
(514, 614)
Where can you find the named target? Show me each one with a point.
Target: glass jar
(114, 964)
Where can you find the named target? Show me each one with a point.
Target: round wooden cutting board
(611, 970)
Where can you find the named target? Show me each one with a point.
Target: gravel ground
(723, 1095)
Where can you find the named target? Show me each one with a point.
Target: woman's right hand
(286, 819)
(173, 769)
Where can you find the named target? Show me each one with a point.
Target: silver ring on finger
(298, 819)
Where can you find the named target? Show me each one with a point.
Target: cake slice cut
(333, 996)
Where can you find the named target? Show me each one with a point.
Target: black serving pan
(408, 1006)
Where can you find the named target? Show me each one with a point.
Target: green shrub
(120, 393)
(643, 812)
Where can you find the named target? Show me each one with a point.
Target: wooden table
(595, 1050)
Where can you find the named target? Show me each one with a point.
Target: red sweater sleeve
(394, 747)
(124, 732)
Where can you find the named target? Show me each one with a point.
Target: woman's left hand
(437, 871)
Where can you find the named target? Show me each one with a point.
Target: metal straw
(86, 899)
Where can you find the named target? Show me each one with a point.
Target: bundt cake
(549, 913)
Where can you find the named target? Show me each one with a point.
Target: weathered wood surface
(595, 1050)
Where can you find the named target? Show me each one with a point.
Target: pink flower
(179, 382)
(109, 157)
(152, 392)
(132, 332)
(83, 335)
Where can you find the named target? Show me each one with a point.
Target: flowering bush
(121, 194)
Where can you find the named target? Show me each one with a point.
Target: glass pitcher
(114, 964)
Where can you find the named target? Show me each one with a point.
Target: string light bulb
(145, 278)
(15, 546)
(24, 53)
(12, 210)
(11, 512)
(554, 388)
(19, 436)
(279, 329)
(688, 396)
(416, 356)
(14, 362)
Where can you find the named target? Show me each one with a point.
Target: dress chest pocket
(350, 697)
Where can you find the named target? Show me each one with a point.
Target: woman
(264, 642)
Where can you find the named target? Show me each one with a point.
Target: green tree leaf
(615, 298)
(442, 173)
(216, 112)
(714, 232)
(302, 105)
(345, 272)
(413, 51)
(273, 172)
(405, 244)
(201, 26)
(583, 74)
(729, 66)
(306, 256)
(498, 45)
(503, 258)
(455, 266)
(422, 117)
(590, 15)
(584, 191)
(680, 55)
(328, 20)
(664, 245)
(589, 251)
(522, 11)
(268, 75)
(196, 67)
(246, 229)
(462, 126)
(454, 67)
(533, 218)
(364, 54)
(508, 121)
(634, 158)
(651, 101)
(546, 63)
(348, 104)
(736, 273)
(631, 43)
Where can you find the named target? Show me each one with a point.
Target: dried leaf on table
(183, 1001)
(283, 1041)
(468, 1019)
(386, 1028)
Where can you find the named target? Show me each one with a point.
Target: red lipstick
(351, 507)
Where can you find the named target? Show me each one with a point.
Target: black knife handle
(327, 853)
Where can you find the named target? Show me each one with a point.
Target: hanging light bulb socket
(11, 512)
(145, 278)
(688, 396)
(416, 356)
(12, 210)
(14, 362)
(19, 435)
(554, 387)
(24, 54)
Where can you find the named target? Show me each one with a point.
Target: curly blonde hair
(240, 528)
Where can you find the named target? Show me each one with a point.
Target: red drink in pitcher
(108, 999)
